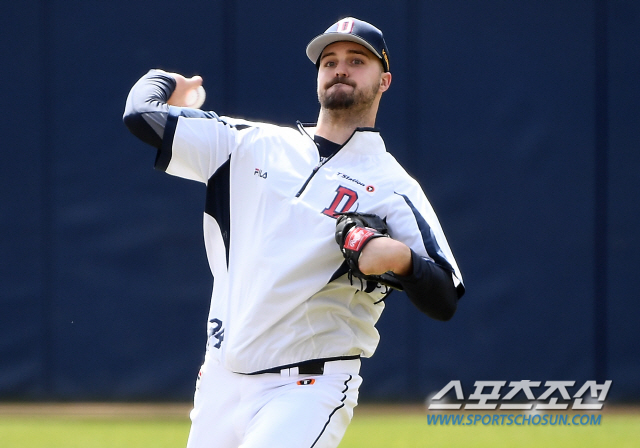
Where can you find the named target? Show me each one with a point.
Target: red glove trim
(357, 237)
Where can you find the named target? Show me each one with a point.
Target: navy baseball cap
(353, 30)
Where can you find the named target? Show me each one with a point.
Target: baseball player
(307, 229)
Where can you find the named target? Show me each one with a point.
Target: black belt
(315, 367)
(307, 368)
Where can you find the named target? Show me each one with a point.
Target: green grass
(370, 430)
(64, 432)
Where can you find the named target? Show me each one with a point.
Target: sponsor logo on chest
(368, 188)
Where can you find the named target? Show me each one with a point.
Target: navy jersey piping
(163, 157)
(430, 243)
(315, 170)
(218, 202)
(340, 406)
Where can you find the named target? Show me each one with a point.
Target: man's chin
(338, 106)
(338, 101)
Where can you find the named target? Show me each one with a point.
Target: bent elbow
(446, 313)
(442, 310)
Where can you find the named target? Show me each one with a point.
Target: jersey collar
(364, 140)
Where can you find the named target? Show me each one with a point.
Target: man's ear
(385, 81)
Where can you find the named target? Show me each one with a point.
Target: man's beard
(342, 100)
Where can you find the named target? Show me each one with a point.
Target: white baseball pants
(268, 410)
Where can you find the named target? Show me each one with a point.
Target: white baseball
(195, 98)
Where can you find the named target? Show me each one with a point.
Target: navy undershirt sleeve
(430, 288)
(146, 110)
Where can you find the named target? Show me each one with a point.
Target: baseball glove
(353, 232)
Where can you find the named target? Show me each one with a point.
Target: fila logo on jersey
(259, 172)
(357, 237)
(307, 382)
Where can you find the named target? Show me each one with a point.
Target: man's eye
(330, 64)
(357, 61)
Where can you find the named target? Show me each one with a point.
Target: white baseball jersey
(280, 294)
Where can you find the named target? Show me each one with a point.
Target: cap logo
(345, 26)
(386, 58)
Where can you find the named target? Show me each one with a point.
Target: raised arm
(148, 103)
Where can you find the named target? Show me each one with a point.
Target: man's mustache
(339, 80)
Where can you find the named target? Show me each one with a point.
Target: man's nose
(341, 70)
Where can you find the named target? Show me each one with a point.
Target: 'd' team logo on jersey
(345, 26)
(357, 237)
(343, 200)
